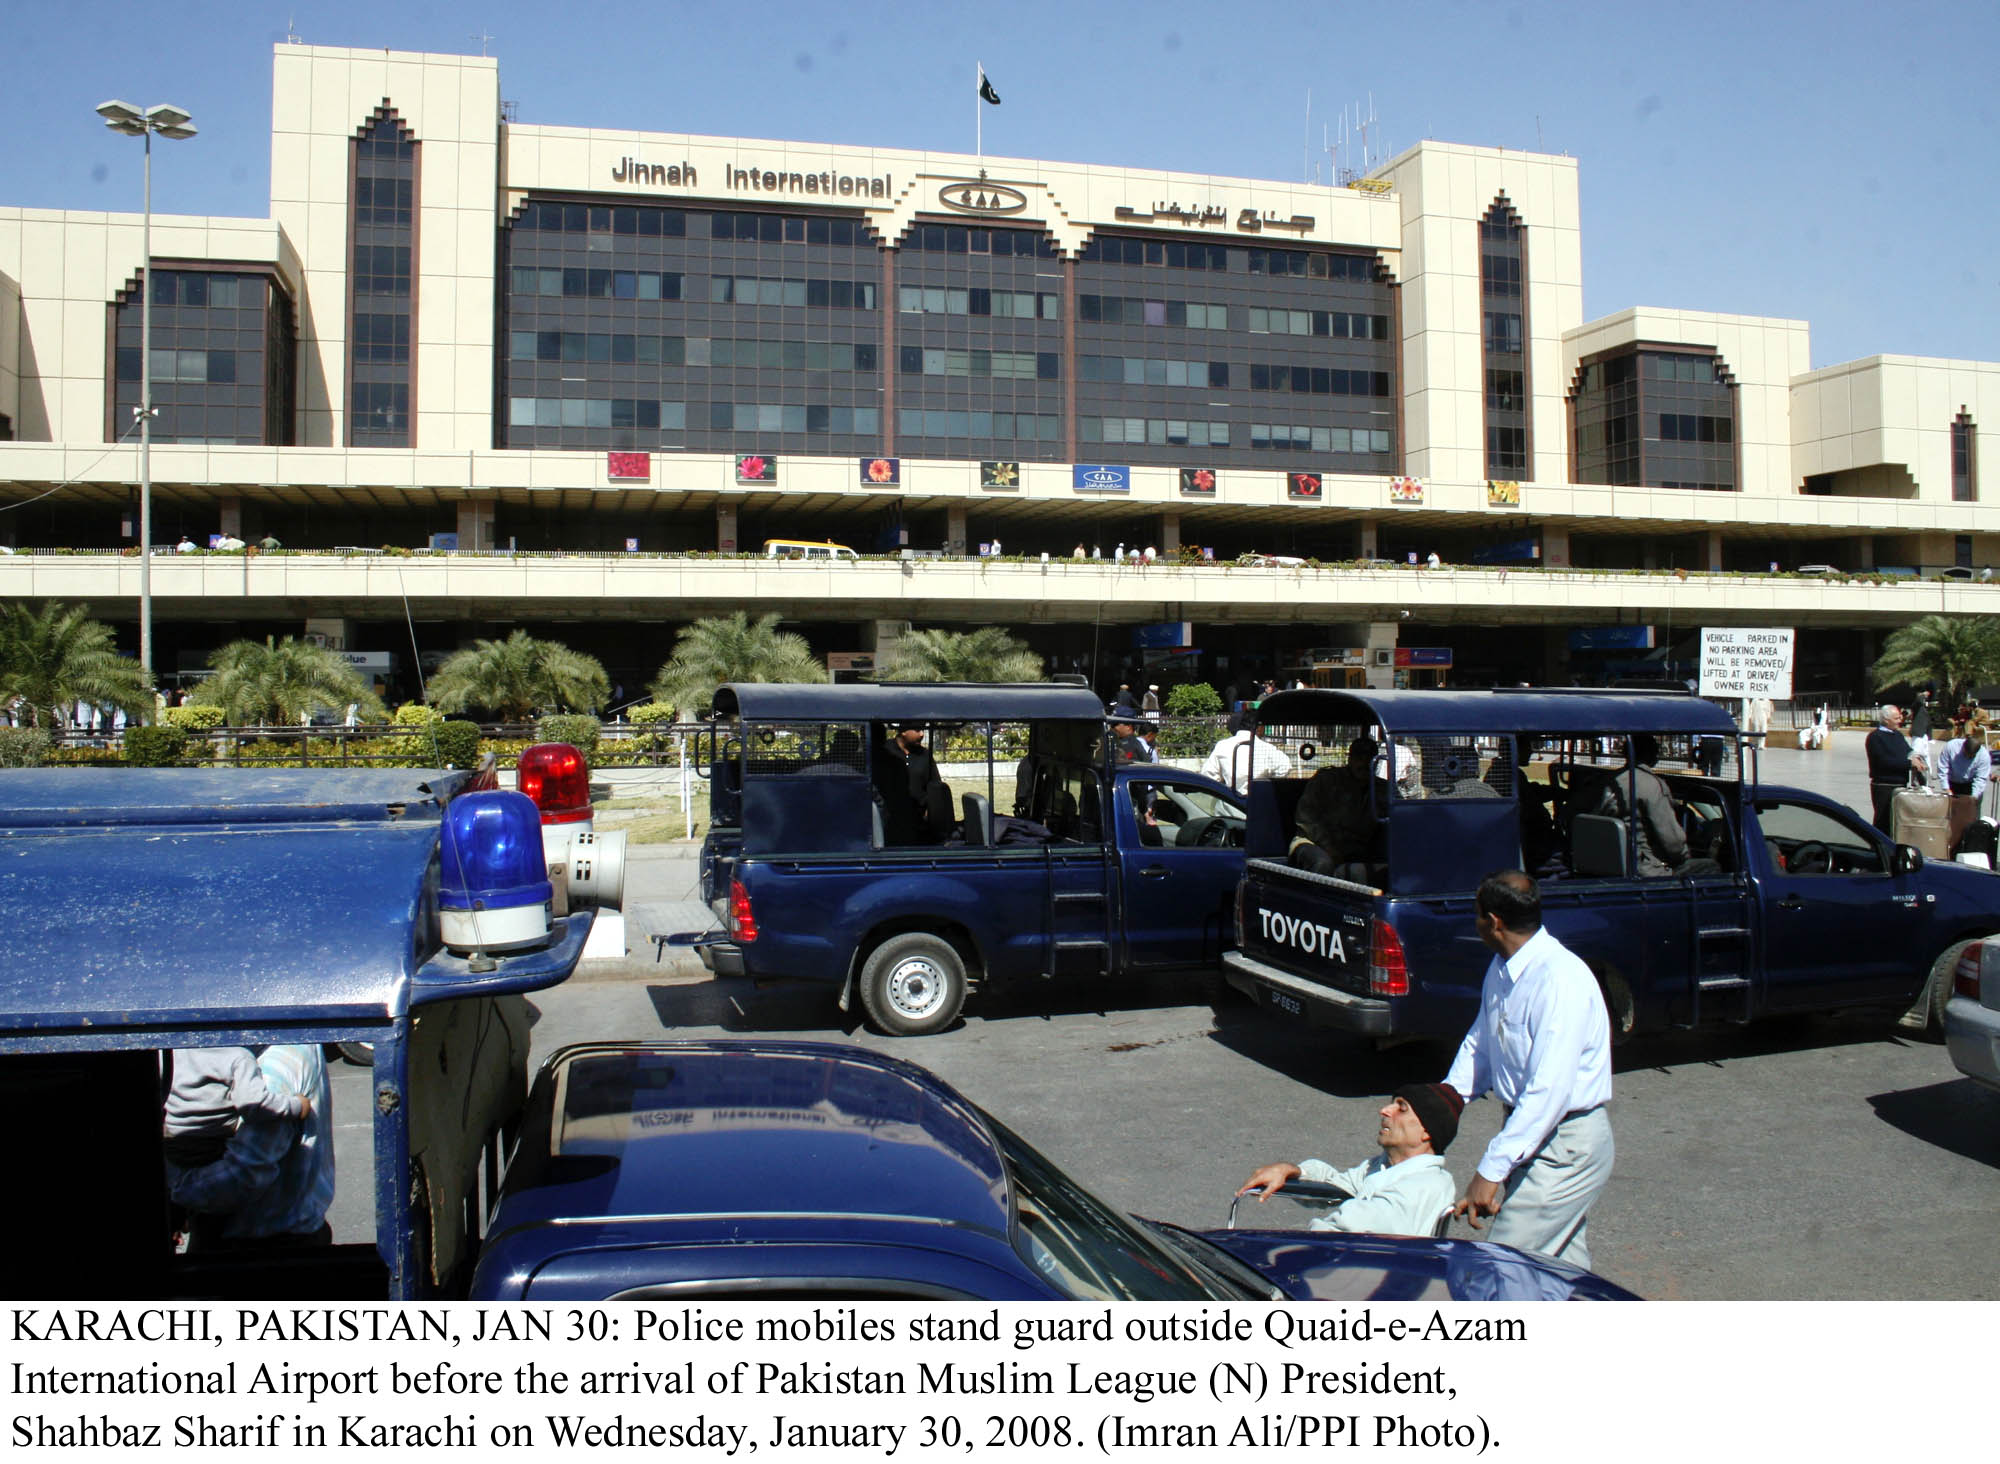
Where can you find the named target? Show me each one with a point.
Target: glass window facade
(1502, 257)
(224, 354)
(625, 326)
(1237, 352)
(383, 225)
(1657, 418)
(1964, 475)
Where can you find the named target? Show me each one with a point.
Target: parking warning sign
(1738, 663)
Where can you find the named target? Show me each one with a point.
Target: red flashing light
(557, 778)
(742, 919)
(1388, 973)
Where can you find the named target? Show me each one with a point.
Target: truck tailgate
(1307, 925)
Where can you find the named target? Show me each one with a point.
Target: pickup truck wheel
(1926, 1014)
(912, 985)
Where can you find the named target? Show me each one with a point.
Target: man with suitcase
(1890, 763)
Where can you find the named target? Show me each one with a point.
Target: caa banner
(1101, 478)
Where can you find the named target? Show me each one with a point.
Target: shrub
(194, 717)
(1191, 736)
(416, 714)
(650, 714)
(1194, 699)
(155, 747)
(23, 747)
(457, 743)
(578, 731)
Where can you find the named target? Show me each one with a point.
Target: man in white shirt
(1400, 1191)
(1541, 1044)
(1226, 764)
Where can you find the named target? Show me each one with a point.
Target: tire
(361, 1054)
(912, 985)
(1926, 1013)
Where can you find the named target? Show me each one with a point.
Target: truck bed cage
(1549, 712)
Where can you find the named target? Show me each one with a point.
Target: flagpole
(979, 114)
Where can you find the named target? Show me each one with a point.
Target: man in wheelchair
(1400, 1191)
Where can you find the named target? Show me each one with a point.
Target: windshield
(1086, 1249)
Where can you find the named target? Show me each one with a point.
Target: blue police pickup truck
(1695, 895)
(835, 857)
(154, 911)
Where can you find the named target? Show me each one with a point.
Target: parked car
(1051, 868)
(1972, 1016)
(771, 1169)
(1270, 561)
(1792, 902)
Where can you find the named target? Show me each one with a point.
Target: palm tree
(1957, 652)
(986, 654)
(57, 655)
(265, 682)
(731, 648)
(518, 677)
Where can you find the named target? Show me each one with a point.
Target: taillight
(1388, 973)
(742, 919)
(1965, 979)
(555, 775)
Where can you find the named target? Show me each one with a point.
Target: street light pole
(170, 122)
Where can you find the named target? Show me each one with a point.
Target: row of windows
(1503, 333)
(382, 338)
(1499, 274)
(1680, 368)
(998, 426)
(751, 290)
(652, 350)
(384, 201)
(1009, 304)
(1312, 265)
(1166, 253)
(1498, 226)
(597, 284)
(1338, 324)
(1319, 381)
(1613, 432)
(1506, 391)
(1287, 437)
(213, 291)
(1149, 371)
(174, 365)
(1006, 365)
(1601, 374)
(1129, 310)
(384, 141)
(1152, 431)
(674, 223)
(1682, 427)
(1704, 487)
(646, 414)
(958, 239)
(381, 269)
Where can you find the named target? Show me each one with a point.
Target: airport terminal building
(474, 374)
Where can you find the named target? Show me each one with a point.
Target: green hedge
(578, 731)
(1194, 699)
(155, 747)
(195, 716)
(23, 747)
(457, 743)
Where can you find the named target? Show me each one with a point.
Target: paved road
(1831, 1157)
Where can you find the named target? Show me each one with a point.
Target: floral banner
(1004, 476)
(1502, 494)
(756, 468)
(885, 472)
(1406, 490)
(1198, 482)
(1302, 486)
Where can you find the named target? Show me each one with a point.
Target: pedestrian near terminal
(1890, 763)
(1541, 1045)
(1150, 702)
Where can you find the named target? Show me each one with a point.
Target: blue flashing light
(492, 854)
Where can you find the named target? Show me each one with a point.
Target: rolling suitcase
(1922, 819)
(1981, 838)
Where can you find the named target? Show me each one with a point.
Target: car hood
(1333, 1266)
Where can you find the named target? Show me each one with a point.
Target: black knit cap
(1437, 1108)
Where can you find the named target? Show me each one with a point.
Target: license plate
(1285, 1003)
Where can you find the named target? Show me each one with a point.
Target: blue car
(773, 1169)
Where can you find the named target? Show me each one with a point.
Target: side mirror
(1907, 860)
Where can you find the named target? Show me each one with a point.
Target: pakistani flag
(986, 92)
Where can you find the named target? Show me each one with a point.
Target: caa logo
(1101, 478)
(982, 198)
